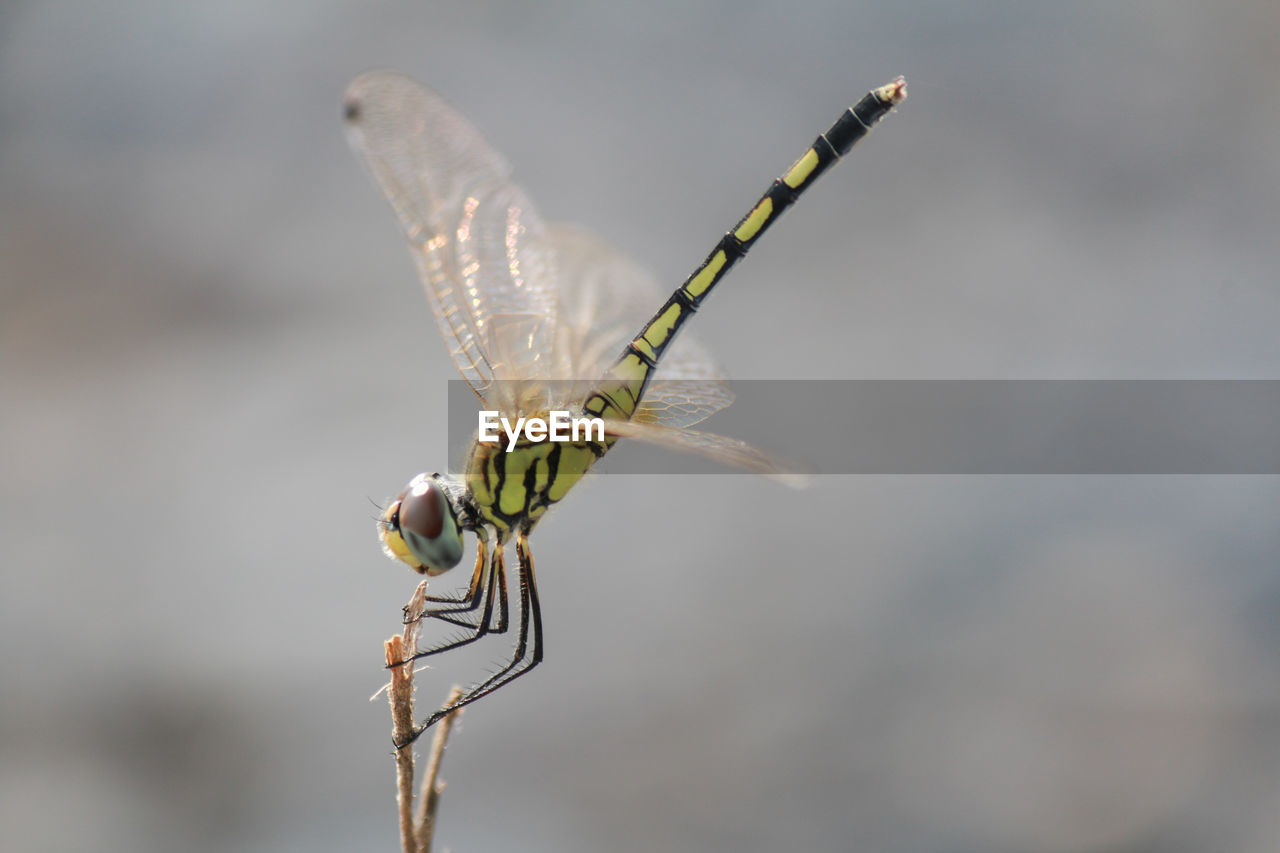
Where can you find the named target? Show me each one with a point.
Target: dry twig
(416, 831)
(429, 796)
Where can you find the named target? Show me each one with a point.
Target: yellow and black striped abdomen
(620, 392)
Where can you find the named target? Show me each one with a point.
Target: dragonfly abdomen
(620, 392)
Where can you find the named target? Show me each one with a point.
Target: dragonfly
(537, 318)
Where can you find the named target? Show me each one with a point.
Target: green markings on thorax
(518, 487)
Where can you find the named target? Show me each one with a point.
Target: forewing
(480, 248)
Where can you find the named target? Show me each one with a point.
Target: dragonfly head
(420, 527)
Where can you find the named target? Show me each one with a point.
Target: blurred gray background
(214, 353)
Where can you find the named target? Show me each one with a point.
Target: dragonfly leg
(474, 595)
(528, 650)
(497, 586)
(494, 587)
(471, 598)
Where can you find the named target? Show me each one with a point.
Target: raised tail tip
(892, 93)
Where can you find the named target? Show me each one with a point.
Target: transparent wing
(718, 448)
(605, 299)
(480, 248)
(681, 403)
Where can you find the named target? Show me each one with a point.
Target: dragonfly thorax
(511, 486)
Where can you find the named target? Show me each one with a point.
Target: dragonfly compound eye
(421, 529)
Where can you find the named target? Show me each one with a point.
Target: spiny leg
(530, 620)
(474, 595)
(470, 602)
(475, 592)
(500, 563)
(495, 586)
(471, 599)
